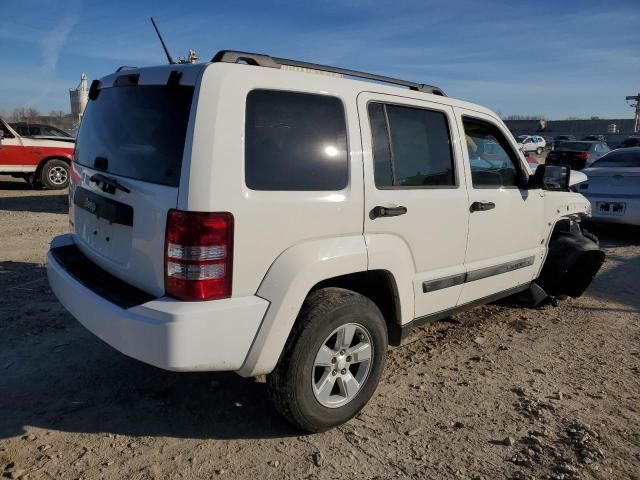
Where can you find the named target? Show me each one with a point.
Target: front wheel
(332, 362)
(54, 174)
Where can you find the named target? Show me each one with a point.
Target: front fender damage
(572, 262)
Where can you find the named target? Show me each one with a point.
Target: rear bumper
(631, 215)
(163, 332)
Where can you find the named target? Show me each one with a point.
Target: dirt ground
(496, 393)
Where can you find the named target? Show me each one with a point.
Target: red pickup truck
(39, 160)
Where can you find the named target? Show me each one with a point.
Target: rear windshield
(619, 159)
(139, 130)
(574, 146)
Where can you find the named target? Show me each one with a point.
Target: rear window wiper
(109, 185)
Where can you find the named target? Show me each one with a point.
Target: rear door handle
(482, 206)
(380, 211)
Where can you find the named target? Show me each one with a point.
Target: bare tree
(19, 114)
(32, 114)
(526, 117)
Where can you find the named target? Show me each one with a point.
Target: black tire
(290, 385)
(54, 175)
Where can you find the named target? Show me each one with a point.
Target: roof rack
(125, 67)
(230, 56)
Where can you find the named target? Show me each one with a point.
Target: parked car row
(613, 187)
(577, 154)
(533, 142)
(633, 141)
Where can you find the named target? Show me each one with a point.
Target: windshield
(619, 159)
(139, 130)
(521, 138)
(574, 146)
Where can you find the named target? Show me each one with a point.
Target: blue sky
(555, 58)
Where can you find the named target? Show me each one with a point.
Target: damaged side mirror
(551, 177)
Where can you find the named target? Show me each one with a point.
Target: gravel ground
(500, 392)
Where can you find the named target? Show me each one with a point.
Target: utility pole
(636, 123)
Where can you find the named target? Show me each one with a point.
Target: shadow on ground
(614, 282)
(10, 183)
(61, 377)
(47, 203)
(612, 235)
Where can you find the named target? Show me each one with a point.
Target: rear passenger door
(415, 191)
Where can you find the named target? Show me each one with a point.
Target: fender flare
(297, 270)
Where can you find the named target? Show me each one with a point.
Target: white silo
(79, 97)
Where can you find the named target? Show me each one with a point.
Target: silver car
(613, 187)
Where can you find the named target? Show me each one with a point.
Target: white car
(531, 143)
(613, 187)
(250, 218)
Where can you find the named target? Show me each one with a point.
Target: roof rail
(260, 60)
(125, 67)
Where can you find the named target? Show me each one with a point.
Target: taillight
(199, 255)
(582, 156)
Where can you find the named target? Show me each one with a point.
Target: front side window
(295, 142)
(493, 162)
(411, 147)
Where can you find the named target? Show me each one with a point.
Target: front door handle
(380, 211)
(482, 206)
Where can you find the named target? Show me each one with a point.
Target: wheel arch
(337, 261)
(287, 283)
(379, 286)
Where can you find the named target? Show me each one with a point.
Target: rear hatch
(126, 171)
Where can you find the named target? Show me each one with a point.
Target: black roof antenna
(166, 51)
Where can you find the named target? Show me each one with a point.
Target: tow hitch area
(573, 260)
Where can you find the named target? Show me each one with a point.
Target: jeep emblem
(91, 206)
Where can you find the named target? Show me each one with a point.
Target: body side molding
(472, 276)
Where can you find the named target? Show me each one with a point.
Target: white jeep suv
(253, 215)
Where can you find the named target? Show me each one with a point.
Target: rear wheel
(539, 150)
(54, 174)
(332, 362)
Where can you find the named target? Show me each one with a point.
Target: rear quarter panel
(266, 222)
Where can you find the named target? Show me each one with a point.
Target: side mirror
(551, 177)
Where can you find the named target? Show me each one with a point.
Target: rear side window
(137, 132)
(411, 147)
(295, 141)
